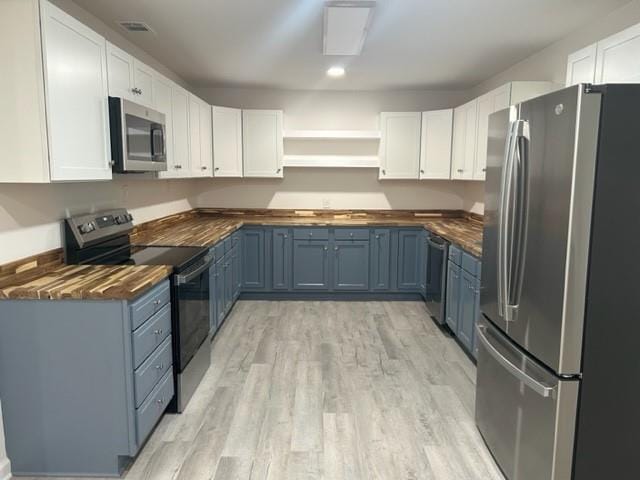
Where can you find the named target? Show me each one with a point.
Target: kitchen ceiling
(430, 44)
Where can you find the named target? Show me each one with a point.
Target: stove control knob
(87, 227)
(129, 217)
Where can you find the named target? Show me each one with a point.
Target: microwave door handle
(538, 387)
(155, 129)
(502, 221)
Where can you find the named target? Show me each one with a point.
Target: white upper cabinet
(128, 77)
(399, 145)
(435, 149)
(163, 88)
(56, 125)
(200, 137)
(581, 66)
(181, 137)
(262, 143)
(465, 120)
(227, 142)
(488, 103)
(618, 57)
(77, 109)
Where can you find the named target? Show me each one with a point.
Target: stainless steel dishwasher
(437, 253)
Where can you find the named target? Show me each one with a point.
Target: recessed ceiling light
(335, 72)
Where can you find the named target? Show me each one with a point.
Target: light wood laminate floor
(326, 390)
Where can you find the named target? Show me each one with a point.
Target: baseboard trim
(5, 469)
(336, 296)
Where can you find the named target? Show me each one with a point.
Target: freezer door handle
(538, 387)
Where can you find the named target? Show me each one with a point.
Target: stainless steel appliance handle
(161, 153)
(439, 246)
(538, 387)
(502, 221)
(520, 218)
(182, 279)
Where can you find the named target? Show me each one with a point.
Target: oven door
(525, 414)
(137, 137)
(191, 319)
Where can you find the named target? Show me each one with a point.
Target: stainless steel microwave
(138, 137)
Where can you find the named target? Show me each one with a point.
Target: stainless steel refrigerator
(558, 385)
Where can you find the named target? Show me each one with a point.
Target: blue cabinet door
(213, 321)
(310, 264)
(236, 271)
(219, 292)
(467, 309)
(408, 259)
(228, 282)
(351, 265)
(380, 259)
(453, 296)
(253, 259)
(423, 259)
(281, 259)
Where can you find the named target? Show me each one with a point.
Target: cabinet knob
(160, 401)
(421, 171)
(484, 169)
(203, 168)
(136, 91)
(112, 163)
(160, 367)
(278, 171)
(351, 234)
(158, 332)
(156, 302)
(377, 236)
(326, 248)
(311, 234)
(335, 248)
(177, 167)
(216, 169)
(285, 236)
(384, 172)
(460, 170)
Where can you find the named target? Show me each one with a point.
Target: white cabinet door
(464, 140)
(143, 82)
(488, 103)
(399, 145)
(181, 139)
(206, 140)
(435, 150)
(194, 136)
(581, 66)
(227, 142)
(262, 143)
(120, 66)
(76, 96)
(162, 88)
(618, 57)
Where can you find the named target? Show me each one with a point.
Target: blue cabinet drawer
(153, 407)
(149, 303)
(151, 334)
(352, 234)
(219, 250)
(152, 370)
(471, 264)
(455, 254)
(311, 234)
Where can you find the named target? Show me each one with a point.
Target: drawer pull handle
(157, 302)
(158, 332)
(160, 400)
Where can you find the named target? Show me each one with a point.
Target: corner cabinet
(227, 142)
(399, 145)
(58, 89)
(262, 143)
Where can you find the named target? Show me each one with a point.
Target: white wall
(551, 64)
(331, 188)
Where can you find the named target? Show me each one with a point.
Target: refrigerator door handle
(538, 387)
(503, 222)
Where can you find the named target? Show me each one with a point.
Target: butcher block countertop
(45, 276)
(206, 227)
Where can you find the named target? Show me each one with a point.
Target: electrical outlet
(326, 203)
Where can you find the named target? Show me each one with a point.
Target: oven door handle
(538, 387)
(186, 278)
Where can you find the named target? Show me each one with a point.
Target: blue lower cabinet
(228, 282)
(281, 256)
(351, 265)
(213, 309)
(219, 293)
(380, 263)
(467, 309)
(423, 259)
(236, 271)
(310, 265)
(409, 243)
(453, 296)
(253, 259)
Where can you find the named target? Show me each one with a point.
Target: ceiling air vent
(131, 26)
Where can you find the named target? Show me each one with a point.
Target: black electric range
(103, 239)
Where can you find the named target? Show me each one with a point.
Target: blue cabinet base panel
(336, 296)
